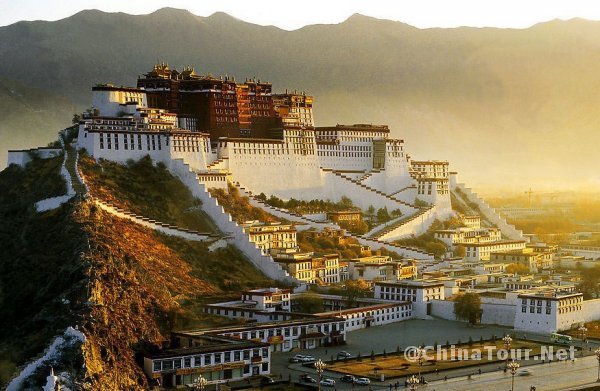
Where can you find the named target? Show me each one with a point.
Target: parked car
(344, 354)
(525, 372)
(308, 359)
(362, 381)
(348, 379)
(307, 379)
(266, 380)
(327, 382)
(297, 358)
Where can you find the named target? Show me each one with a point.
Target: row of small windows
(207, 359)
(129, 141)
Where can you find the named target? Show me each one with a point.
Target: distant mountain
(504, 106)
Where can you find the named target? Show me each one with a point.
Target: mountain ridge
(448, 92)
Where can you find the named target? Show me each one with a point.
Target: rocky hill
(521, 103)
(124, 286)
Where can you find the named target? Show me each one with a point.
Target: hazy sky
(294, 14)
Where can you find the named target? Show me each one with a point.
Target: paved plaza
(416, 332)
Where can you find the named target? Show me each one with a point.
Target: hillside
(521, 103)
(124, 286)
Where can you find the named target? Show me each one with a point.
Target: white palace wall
(494, 314)
(230, 228)
(161, 147)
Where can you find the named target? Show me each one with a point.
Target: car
(348, 379)
(362, 381)
(297, 358)
(327, 382)
(525, 372)
(266, 380)
(308, 359)
(307, 379)
(344, 354)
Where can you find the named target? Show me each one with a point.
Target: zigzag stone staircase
(466, 194)
(374, 243)
(409, 224)
(369, 188)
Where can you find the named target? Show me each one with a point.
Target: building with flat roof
(482, 251)
(419, 292)
(381, 268)
(309, 267)
(307, 333)
(215, 358)
(268, 236)
(549, 311)
(535, 261)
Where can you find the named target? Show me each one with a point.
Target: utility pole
(530, 192)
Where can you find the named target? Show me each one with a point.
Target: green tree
(355, 289)
(517, 268)
(590, 283)
(467, 306)
(370, 214)
(396, 213)
(383, 215)
(76, 118)
(346, 203)
(309, 303)
(460, 251)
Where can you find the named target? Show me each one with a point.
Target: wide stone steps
(386, 230)
(403, 189)
(369, 188)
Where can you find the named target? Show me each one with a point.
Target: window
(197, 361)
(156, 367)
(187, 362)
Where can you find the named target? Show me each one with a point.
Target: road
(547, 377)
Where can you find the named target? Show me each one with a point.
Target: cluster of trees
(590, 283)
(467, 306)
(517, 268)
(309, 303)
(327, 246)
(381, 215)
(351, 291)
(308, 207)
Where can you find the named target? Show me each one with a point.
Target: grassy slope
(147, 190)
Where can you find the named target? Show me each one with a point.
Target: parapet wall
(22, 157)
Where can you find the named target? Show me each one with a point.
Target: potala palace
(242, 133)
